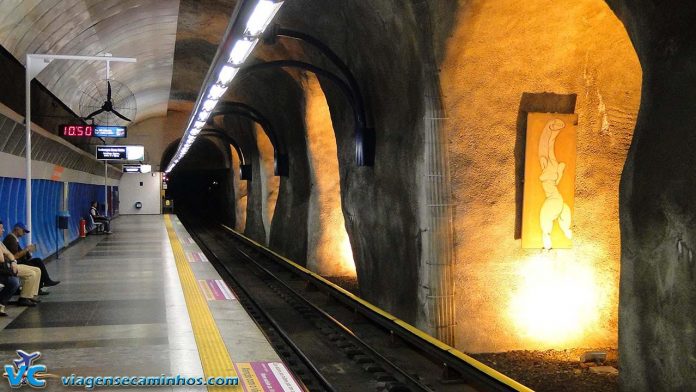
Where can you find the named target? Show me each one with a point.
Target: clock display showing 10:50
(77, 130)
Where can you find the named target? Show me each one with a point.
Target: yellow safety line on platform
(215, 359)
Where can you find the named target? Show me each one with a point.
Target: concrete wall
(156, 133)
(502, 60)
(140, 187)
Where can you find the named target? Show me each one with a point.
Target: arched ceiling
(143, 29)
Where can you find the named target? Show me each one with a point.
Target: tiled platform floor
(120, 310)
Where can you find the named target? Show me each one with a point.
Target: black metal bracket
(282, 168)
(364, 151)
(365, 139)
(244, 168)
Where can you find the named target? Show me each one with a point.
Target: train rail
(332, 339)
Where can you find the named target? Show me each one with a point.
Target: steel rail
(454, 362)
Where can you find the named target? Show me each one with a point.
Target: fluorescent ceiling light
(195, 132)
(199, 124)
(217, 91)
(203, 115)
(226, 75)
(241, 50)
(209, 104)
(261, 17)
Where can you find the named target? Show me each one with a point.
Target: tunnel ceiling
(142, 29)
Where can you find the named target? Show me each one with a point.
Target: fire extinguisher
(83, 228)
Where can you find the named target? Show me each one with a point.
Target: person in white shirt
(100, 218)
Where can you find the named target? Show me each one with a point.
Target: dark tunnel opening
(202, 186)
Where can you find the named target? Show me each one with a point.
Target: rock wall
(268, 181)
(657, 343)
(240, 194)
(502, 60)
(328, 247)
(379, 203)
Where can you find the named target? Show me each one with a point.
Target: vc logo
(22, 371)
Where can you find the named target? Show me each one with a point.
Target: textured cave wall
(254, 227)
(379, 203)
(328, 247)
(657, 341)
(242, 132)
(279, 97)
(200, 27)
(240, 194)
(497, 64)
(269, 182)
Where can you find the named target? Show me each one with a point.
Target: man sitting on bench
(100, 218)
(30, 277)
(23, 256)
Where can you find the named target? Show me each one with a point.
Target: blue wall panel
(79, 198)
(45, 200)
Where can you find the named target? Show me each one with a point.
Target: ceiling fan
(110, 103)
(108, 106)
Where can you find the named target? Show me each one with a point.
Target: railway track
(331, 339)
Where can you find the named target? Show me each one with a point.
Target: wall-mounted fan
(108, 102)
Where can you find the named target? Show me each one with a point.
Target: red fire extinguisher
(83, 228)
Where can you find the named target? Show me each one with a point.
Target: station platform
(142, 302)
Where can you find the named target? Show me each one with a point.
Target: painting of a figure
(549, 181)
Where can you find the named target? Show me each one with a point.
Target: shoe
(3, 314)
(35, 300)
(41, 292)
(51, 283)
(109, 232)
(25, 302)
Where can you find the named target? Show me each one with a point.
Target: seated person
(29, 276)
(10, 281)
(23, 256)
(100, 218)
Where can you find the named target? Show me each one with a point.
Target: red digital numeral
(78, 130)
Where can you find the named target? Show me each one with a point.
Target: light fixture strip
(231, 60)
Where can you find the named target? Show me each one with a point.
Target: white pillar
(27, 122)
(106, 188)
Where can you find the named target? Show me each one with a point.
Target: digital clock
(77, 130)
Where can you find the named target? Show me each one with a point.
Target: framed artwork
(549, 181)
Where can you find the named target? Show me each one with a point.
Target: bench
(97, 227)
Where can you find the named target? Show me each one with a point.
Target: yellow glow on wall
(328, 245)
(557, 300)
